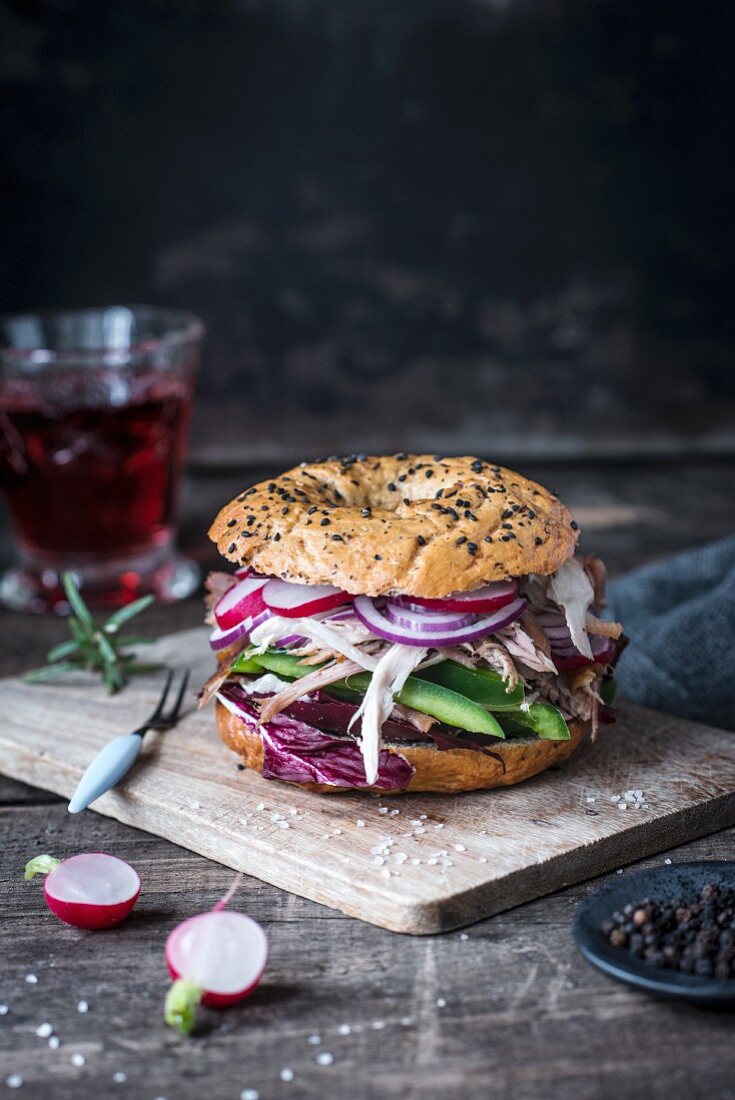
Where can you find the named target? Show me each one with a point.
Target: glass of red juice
(94, 416)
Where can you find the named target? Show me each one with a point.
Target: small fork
(117, 758)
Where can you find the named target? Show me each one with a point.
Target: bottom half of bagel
(446, 770)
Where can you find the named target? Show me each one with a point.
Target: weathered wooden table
(506, 1009)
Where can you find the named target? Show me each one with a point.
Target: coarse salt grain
(463, 936)
(194, 804)
(360, 823)
(260, 806)
(667, 862)
(482, 859)
(615, 798)
(119, 1077)
(315, 1040)
(394, 813)
(4, 1010)
(82, 1007)
(287, 1074)
(78, 1059)
(249, 1094)
(441, 1003)
(459, 848)
(406, 1021)
(382, 809)
(14, 1081)
(590, 799)
(44, 1030)
(622, 805)
(378, 1025)
(32, 979)
(324, 1058)
(344, 1029)
(54, 1042)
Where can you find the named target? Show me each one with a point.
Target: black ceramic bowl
(664, 883)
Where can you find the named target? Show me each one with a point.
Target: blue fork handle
(108, 767)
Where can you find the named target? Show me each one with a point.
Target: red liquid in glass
(93, 473)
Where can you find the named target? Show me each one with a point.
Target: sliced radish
(371, 615)
(296, 601)
(92, 890)
(489, 598)
(243, 601)
(215, 959)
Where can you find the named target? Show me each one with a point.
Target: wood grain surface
(507, 1009)
(411, 863)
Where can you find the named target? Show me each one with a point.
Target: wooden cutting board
(412, 863)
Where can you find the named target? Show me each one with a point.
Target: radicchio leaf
(296, 752)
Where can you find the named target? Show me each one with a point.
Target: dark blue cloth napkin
(680, 617)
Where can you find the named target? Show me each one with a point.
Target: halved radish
(92, 890)
(296, 601)
(215, 959)
(243, 601)
(489, 598)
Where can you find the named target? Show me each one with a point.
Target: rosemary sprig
(96, 648)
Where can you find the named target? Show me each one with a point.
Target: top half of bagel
(421, 525)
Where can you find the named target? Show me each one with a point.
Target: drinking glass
(94, 415)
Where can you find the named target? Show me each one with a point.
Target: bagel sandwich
(406, 623)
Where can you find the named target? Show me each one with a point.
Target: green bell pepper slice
(609, 691)
(481, 685)
(543, 719)
(438, 702)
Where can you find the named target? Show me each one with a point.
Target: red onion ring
(221, 639)
(430, 622)
(373, 618)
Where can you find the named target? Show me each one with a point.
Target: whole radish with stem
(91, 890)
(216, 959)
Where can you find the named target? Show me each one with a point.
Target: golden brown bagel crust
(450, 770)
(413, 524)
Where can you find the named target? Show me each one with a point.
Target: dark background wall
(501, 226)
